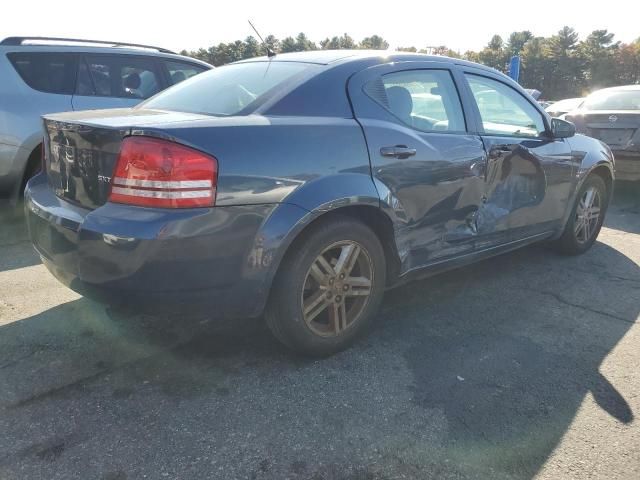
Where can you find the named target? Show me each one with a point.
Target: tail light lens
(152, 172)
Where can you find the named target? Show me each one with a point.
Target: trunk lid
(620, 129)
(82, 148)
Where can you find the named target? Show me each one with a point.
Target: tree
(536, 69)
(568, 72)
(517, 41)
(444, 50)
(471, 56)
(273, 43)
(560, 66)
(628, 63)
(288, 45)
(251, 48)
(303, 43)
(374, 42)
(494, 55)
(338, 43)
(599, 54)
(495, 43)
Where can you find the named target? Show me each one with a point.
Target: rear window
(613, 100)
(231, 89)
(46, 72)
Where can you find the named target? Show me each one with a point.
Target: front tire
(329, 287)
(586, 217)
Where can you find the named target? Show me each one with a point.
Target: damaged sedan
(303, 185)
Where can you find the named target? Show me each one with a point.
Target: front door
(427, 164)
(528, 172)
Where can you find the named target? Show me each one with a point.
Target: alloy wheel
(337, 288)
(587, 215)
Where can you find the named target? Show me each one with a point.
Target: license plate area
(615, 136)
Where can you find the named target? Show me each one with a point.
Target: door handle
(498, 150)
(397, 151)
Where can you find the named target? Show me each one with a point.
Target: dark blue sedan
(306, 184)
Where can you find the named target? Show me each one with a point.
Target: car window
(231, 89)
(46, 72)
(117, 76)
(504, 111)
(426, 100)
(613, 100)
(180, 71)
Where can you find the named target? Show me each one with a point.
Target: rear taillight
(152, 172)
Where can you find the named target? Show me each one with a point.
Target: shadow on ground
(624, 214)
(472, 374)
(15, 249)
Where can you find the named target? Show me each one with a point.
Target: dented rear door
(427, 164)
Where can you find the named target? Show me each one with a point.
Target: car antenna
(270, 53)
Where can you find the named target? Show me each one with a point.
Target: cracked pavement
(521, 366)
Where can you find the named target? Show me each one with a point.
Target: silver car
(46, 75)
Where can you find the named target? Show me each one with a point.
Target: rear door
(427, 162)
(528, 172)
(116, 81)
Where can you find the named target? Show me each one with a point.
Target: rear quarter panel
(307, 161)
(306, 166)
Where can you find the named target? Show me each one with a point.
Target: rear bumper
(151, 258)
(627, 166)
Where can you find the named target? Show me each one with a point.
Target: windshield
(229, 90)
(613, 100)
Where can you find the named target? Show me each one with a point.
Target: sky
(190, 24)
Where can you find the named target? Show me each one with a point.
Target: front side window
(504, 111)
(180, 71)
(122, 77)
(230, 90)
(426, 100)
(46, 72)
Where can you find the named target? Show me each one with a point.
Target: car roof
(620, 88)
(14, 44)
(328, 57)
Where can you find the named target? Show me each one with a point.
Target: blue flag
(514, 67)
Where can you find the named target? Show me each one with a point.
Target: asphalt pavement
(521, 366)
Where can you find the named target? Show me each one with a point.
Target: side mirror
(562, 128)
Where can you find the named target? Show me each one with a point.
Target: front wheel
(586, 217)
(329, 287)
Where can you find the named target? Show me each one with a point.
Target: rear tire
(328, 288)
(586, 217)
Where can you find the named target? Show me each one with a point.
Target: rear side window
(180, 71)
(426, 100)
(46, 72)
(232, 89)
(117, 76)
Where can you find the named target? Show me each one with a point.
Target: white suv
(45, 75)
